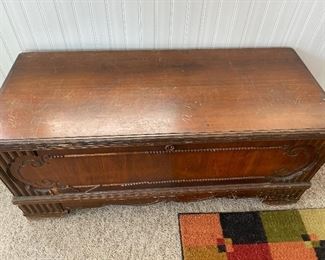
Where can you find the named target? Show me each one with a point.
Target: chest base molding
(280, 193)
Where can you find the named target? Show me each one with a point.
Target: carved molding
(294, 176)
(34, 161)
(271, 193)
(20, 189)
(172, 149)
(285, 176)
(282, 176)
(156, 139)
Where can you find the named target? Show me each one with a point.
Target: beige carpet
(118, 232)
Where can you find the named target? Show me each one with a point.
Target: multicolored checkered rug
(285, 235)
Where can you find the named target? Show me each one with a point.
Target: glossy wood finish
(71, 94)
(83, 129)
(183, 165)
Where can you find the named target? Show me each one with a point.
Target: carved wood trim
(162, 138)
(266, 191)
(46, 184)
(299, 174)
(21, 162)
(21, 189)
(171, 149)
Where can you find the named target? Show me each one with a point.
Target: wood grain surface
(121, 93)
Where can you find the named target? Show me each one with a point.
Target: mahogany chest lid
(138, 94)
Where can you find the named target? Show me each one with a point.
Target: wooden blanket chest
(85, 129)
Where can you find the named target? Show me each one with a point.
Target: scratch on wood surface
(69, 95)
(12, 102)
(252, 83)
(187, 118)
(12, 120)
(37, 128)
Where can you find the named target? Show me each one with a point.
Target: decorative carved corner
(42, 185)
(7, 160)
(293, 176)
(35, 161)
(283, 176)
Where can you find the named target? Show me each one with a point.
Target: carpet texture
(258, 235)
(119, 232)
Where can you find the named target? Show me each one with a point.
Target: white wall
(27, 25)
